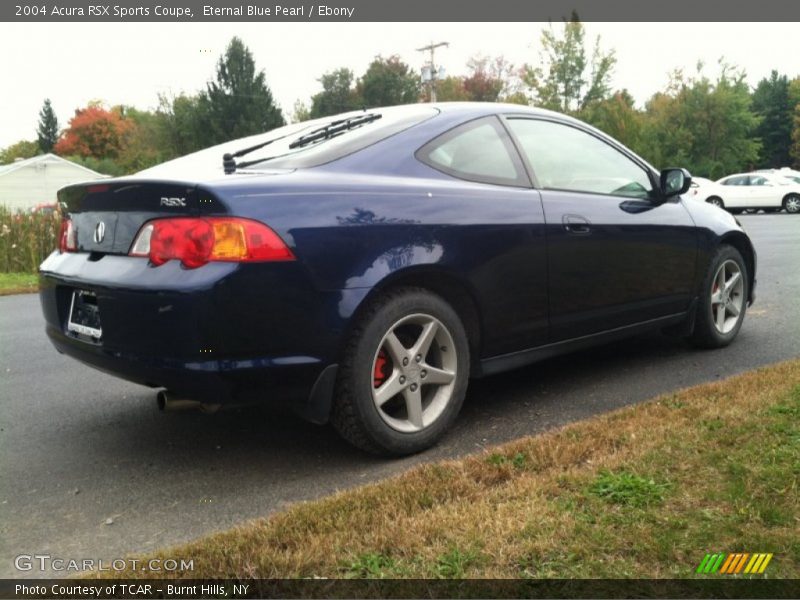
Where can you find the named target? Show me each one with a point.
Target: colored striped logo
(733, 564)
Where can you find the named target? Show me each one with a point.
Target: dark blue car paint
(275, 331)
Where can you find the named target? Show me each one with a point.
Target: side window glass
(566, 158)
(757, 181)
(476, 151)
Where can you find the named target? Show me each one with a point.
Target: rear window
(479, 151)
(391, 122)
(281, 156)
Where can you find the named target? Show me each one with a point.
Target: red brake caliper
(382, 369)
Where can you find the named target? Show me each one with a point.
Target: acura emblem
(99, 232)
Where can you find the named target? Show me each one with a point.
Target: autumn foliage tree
(94, 132)
(489, 79)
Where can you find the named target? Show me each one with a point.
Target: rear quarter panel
(354, 233)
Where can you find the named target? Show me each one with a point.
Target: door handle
(576, 224)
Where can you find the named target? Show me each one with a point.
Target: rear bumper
(284, 379)
(222, 334)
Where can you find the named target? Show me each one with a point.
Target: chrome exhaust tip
(169, 402)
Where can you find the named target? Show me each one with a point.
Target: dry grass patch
(644, 491)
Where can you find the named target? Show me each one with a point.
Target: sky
(132, 63)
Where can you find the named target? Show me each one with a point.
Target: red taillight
(196, 241)
(67, 239)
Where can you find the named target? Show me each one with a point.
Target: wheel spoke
(388, 389)
(721, 278)
(734, 310)
(437, 376)
(732, 281)
(425, 339)
(414, 406)
(716, 297)
(721, 317)
(396, 349)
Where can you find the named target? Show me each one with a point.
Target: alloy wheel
(414, 373)
(727, 296)
(792, 204)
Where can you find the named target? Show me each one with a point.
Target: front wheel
(723, 300)
(404, 374)
(792, 204)
(716, 201)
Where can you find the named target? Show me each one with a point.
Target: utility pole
(432, 66)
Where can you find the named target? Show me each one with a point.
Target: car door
(616, 255)
(500, 239)
(762, 192)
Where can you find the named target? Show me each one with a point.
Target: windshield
(283, 153)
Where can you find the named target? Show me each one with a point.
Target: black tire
(791, 204)
(716, 201)
(355, 414)
(706, 334)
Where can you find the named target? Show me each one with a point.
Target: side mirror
(675, 182)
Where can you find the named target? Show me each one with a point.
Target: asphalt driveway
(90, 469)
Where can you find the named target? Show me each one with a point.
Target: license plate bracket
(84, 315)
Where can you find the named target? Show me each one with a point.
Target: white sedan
(786, 172)
(754, 191)
(702, 189)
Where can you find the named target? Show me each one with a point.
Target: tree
(794, 150)
(794, 100)
(771, 102)
(300, 112)
(338, 94)
(489, 79)
(94, 131)
(186, 124)
(707, 126)
(388, 81)
(565, 80)
(47, 132)
(146, 142)
(451, 89)
(22, 149)
(239, 102)
(618, 117)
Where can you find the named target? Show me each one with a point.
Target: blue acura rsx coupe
(362, 268)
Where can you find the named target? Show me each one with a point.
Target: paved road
(80, 447)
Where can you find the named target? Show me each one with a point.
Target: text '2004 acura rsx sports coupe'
(361, 268)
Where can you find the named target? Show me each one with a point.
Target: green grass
(18, 283)
(628, 489)
(642, 492)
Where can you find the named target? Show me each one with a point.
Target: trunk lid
(108, 215)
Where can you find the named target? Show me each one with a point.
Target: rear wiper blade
(333, 129)
(229, 159)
